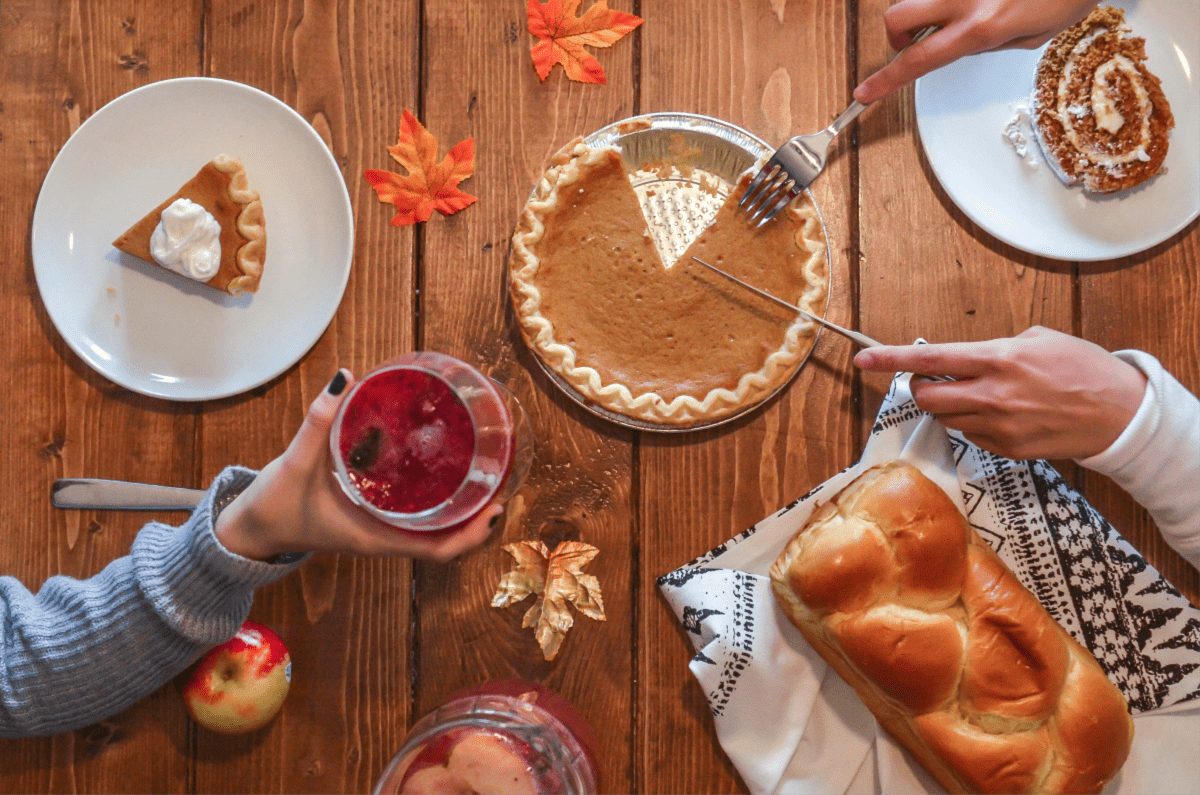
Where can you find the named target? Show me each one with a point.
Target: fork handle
(851, 113)
(848, 115)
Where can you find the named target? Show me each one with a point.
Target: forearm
(1157, 458)
(65, 660)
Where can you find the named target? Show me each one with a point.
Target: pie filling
(677, 345)
(221, 188)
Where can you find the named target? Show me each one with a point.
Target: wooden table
(377, 643)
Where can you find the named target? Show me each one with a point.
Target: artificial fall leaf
(557, 579)
(562, 36)
(428, 185)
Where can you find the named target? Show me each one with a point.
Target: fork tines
(769, 192)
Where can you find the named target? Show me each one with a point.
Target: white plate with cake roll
(1086, 149)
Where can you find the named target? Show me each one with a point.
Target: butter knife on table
(96, 494)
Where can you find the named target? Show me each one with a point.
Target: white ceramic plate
(963, 108)
(152, 331)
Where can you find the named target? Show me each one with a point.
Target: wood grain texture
(62, 62)
(926, 269)
(378, 643)
(346, 620)
(752, 64)
(479, 82)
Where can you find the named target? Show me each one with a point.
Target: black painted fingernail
(337, 384)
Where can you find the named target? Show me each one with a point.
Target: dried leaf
(528, 578)
(556, 578)
(427, 184)
(562, 36)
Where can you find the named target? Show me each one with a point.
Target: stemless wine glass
(425, 442)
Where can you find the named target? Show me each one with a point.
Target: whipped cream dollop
(1019, 133)
(187, 241)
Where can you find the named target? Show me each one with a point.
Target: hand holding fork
(798, 162)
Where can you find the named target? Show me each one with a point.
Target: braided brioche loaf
(953, 656)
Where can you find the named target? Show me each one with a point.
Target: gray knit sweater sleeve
(80, 651)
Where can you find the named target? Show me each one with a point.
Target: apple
(240, 685)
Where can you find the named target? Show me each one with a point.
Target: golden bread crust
(967, 669)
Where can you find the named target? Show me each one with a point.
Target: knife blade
(96, 494)
(858, 337)
(861, 339)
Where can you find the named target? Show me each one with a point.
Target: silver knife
(91, 493)
(860, 338)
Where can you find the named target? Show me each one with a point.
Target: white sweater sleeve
(1157, 458)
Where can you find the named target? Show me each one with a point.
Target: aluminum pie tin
(679, 205)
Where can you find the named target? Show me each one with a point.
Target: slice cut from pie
(222, 188)
(675, 346)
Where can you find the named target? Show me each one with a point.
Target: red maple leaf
(428, 185)
(562, 36)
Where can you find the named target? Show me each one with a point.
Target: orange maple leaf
(428, 185)
(562, 36)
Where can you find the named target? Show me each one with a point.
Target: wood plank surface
(750, 63)
(61, 62)
(345, 619)
(379, 643)
(479, 82)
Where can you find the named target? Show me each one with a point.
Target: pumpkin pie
(222, 188)
(678, 345)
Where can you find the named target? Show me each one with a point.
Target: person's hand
(1042, 394)
(296, 505)
(968, 27)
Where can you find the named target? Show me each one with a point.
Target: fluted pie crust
(676, 346)
(222, 188)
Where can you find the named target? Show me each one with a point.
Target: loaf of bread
(953, 656)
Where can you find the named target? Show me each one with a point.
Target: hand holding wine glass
(296, 504)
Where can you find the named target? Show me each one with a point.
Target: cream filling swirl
(1103, 105)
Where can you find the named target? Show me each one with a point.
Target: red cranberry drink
(407, 441)
(425, 442)
(508, 736)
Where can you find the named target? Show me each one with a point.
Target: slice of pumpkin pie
(212, 230)
(677, 346)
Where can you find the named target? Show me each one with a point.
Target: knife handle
(95, 494)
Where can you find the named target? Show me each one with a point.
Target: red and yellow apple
(240, 685)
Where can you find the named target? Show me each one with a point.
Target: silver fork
(799, 161)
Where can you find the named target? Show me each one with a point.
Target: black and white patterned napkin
(1143, 632)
